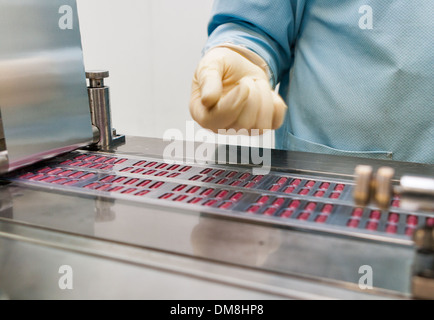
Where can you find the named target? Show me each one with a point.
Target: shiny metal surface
(305, 262)
(43, 97)
(99, 101)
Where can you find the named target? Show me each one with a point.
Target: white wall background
(151, 49)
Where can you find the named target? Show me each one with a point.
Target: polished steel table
(199, 231)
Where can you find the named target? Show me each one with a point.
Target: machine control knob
(96, 78)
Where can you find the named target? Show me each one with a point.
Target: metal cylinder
(99, 99)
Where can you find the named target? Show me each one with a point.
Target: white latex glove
(231, 92)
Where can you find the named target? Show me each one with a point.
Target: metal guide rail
(295, 200)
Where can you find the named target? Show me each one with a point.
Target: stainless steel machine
(86, 213)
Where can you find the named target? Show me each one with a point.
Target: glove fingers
(249, 114)
(229, 107)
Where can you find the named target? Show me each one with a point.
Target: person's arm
(269, 28)
(249, 47)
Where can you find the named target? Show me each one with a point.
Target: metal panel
(43, 94)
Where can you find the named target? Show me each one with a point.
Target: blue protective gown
(358, 76)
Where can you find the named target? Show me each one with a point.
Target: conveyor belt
(295, 200)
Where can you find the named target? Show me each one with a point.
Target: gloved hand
(231, 92)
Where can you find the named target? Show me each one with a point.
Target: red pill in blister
(244, 176)
(88, 176)
(391, 229)
(289, 190)
(173, 175)
(194, 178)
(375, 215)
(149, 172)
(180, 198)
(185, 169)
(144, 183)
(311, 206)
(100, 159)
(66, 173)
(237, 197)
(231, 174)
(340, 187)
(142, 193)
(55, 171)
(335, 195)
(409, 231)
(353, 223)
(222, 181)
(430, 222)
(294, 204)
(130, 190)
(111, 160)
(195, 200)
(226, 205)
(270, 211)
(126, 169)
(115, 189)
(274, 187)
(282, 180)
(59, 181)
(206, 171)
(319, 194)
(278, 202)
(222, 194)
(37, 177)
(395, 203)
(131, 181)
(104, 187)
(71, 182)
(139, 164)
(161, 174)
(310, 184)
(257, 178)
(120, 161)
(161, 166)
(210, 203)
(48, 179)
(295, 182)
(138, 170)
(412, 220)
(157, 185)
(321, 218)
(173, 167)
(27, 176)
(327, 209)
(180, 188)
(357, 213)
(287, 213)
(263, 200)
(253, 209)
(119, 180)
(193, 189)
(218, 173)
(304, 192)
(207, 192)
(92, 186)
(324, 186)
(304, 216)
(235, 183)
(372, 225)
(151, 164)
(249, 185)
(166, 196)
(393, 217)
(208, 179)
